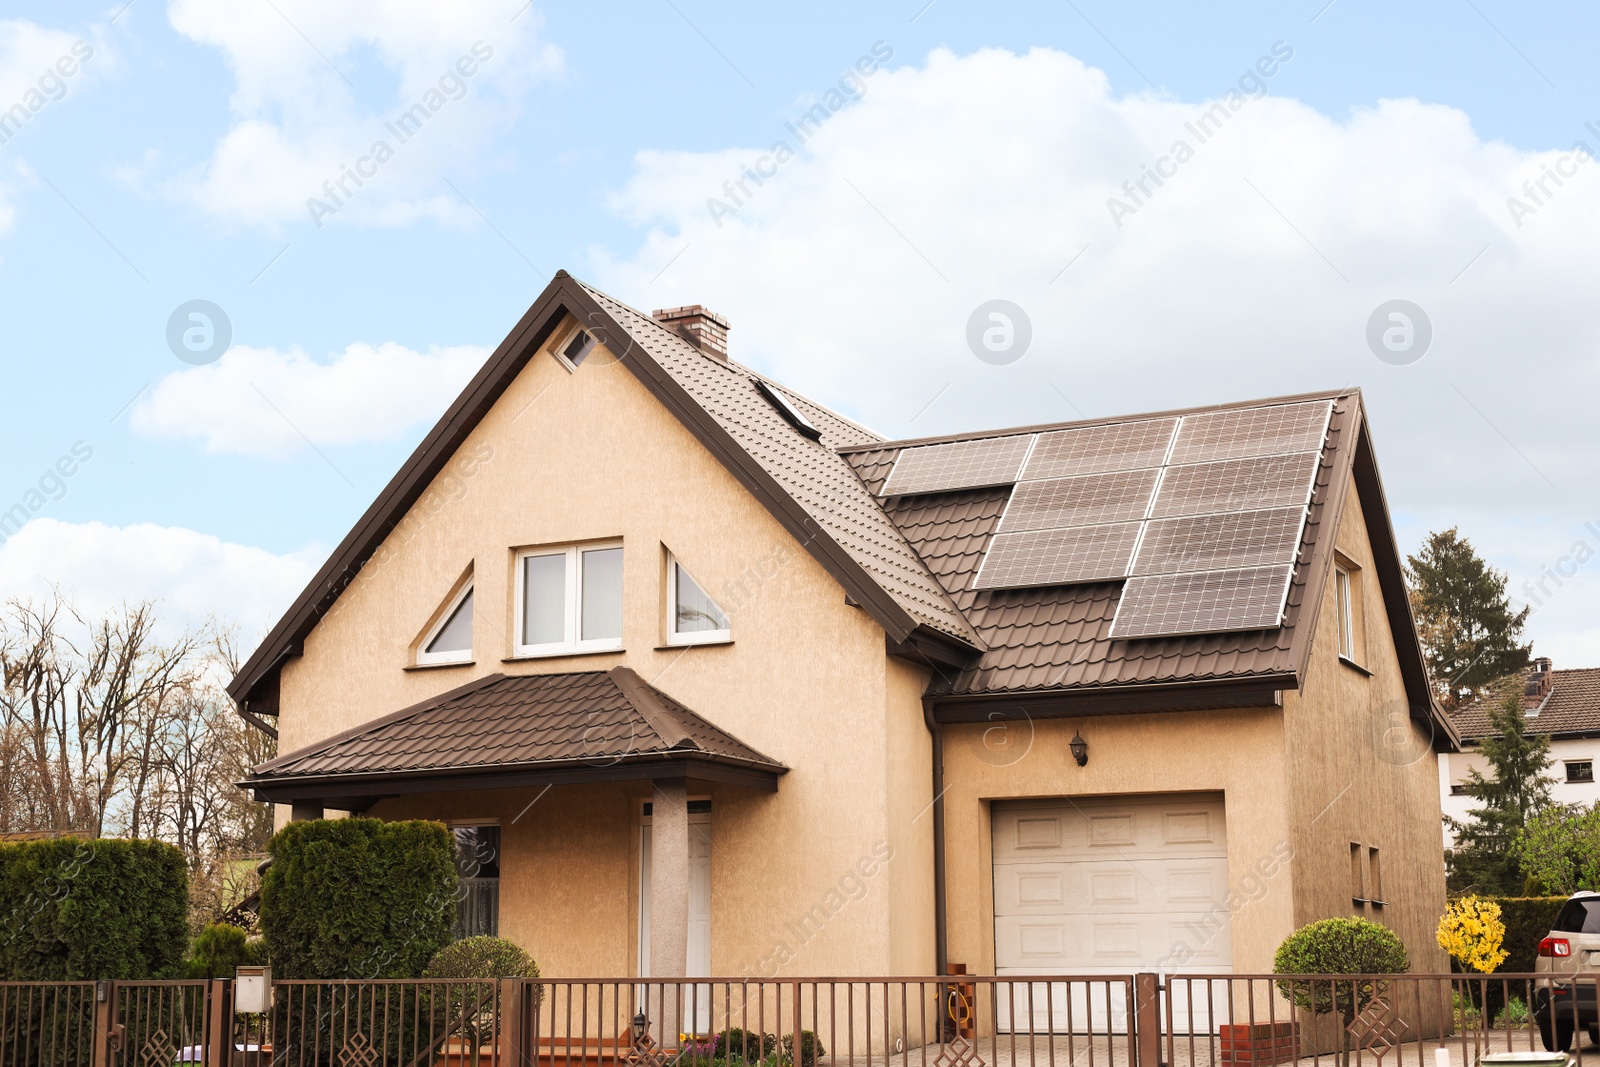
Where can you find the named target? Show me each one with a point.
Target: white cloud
(1252, 271)
(193, 575)
(315, 84)
(266, 402)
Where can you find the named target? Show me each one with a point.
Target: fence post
(799, 1052)
(1147, 1019)
(219, 1022)
(105, 1000)
(511, 1049)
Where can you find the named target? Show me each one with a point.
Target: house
(1561, 705)
(712, 680)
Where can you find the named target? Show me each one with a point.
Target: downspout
(941, 943)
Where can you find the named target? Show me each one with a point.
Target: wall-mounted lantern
(1080, 749)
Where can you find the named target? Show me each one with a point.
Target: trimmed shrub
(74, 910)
(481, 957)
(469, 1007)
(221, 949)
(1338, 946)
(358, 898)
(1528, 921)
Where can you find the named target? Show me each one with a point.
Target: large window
(477, 881)
(693, 618)
(569, 600)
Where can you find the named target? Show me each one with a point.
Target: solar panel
(1236, 485)
(1242, 432)
(1216, 542)
(1122, 446)
(1081, 501)
(1058, 557)
(957, 465)
(1160, 605)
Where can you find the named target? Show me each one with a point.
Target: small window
(1458, 789)
(693, 618)
(478, 881)
(790, 413)
(1374, 878)
(569, 600)
(576, 348)
(1358, 892)
(1580, 770)
(451, 640)
(1347, 626)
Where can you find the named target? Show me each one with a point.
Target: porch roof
(516, 730)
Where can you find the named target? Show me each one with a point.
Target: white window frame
(559, 349)
(574, 605)
(699, 637)
(437, 659)
(1347, 622)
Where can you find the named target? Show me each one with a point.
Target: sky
(251, 249)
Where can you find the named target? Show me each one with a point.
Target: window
(1458, 789)
(575, 348)
(569, 600)
(1579, 916)
(693, 618)
(1347, 627)
(451, 640)
(1374, 879)
(478, 881)
(1358, 891)
(1580, 770)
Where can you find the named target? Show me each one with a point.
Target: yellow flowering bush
(1471, 931)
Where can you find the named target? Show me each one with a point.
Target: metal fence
(1132, 1020)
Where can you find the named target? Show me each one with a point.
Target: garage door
(1110, 886)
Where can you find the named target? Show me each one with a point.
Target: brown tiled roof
(1572, 706)
(521, 722)
(1057, 637)
(908, 561)
(812, 473)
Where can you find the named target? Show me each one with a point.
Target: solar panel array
(1202, 514)
(958, 465)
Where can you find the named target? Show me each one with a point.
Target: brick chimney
(1541, 676)
(700, 326)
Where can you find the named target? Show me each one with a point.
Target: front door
(699, 911)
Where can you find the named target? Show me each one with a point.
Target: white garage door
(1110, 886)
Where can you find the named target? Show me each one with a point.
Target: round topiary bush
(1338, 946)
(481, 957)
(472, 961)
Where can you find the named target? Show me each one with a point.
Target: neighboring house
(712, 680)
(1562, 705)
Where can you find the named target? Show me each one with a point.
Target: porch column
(305, 810)
(669, 899)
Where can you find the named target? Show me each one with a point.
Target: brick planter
(1244, 1045)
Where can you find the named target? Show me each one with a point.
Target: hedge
(358, 898)
(1528, 920)
(75, 910)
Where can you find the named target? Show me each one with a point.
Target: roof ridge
(643, 697)
(1135, 416)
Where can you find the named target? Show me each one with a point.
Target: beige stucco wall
(1237, 753)
(566, 457)
(1361, 771)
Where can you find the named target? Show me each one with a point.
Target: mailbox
(252, 990)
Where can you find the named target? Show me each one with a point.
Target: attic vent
(790, 413)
